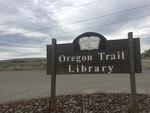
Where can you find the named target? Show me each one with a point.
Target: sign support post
(132, 73)
(97, 56)
(53, 102)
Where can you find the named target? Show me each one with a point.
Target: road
(17, 85)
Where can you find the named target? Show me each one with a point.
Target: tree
(146, 53)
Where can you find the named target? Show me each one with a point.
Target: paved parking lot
(17, 85)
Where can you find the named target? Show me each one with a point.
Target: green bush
(146, 54)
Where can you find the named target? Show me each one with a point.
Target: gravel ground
(84, 103)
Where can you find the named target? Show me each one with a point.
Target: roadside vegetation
(28, 64)
(146, 55)
(23, 64)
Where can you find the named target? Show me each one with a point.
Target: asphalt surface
(18, 85)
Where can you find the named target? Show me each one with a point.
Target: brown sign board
(113, 59)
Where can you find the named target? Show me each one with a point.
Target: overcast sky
(26, 26)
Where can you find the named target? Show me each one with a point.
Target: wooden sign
(111, 57)
(91, 53)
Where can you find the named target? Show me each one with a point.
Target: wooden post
(53, 102)
(132, 73)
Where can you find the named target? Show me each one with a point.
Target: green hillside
(23, 64)
(39, 63)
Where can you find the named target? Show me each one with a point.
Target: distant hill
(23, 64)
(28, 64)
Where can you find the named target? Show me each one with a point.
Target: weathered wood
(112, 46)
(119, 56)
(53, 77)
(132, 72)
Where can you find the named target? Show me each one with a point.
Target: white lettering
(108, 56)
(75, 59)
(78, 60)
(118, 55)
(103, 68)
(62, 58)
(77, 68)
(68, 58)
(83, 58)
(123, 56)
(90, 68)
(101, 56)
(113, 57)
(83, 68)
(97, 69)
(70, 70)
(110, 68)
(89, 58)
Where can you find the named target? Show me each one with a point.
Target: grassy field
(27, 64)
(23, 64)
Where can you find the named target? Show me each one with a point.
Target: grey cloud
(45, 17)
(145, 41)
(19, 40)
(111, 23)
